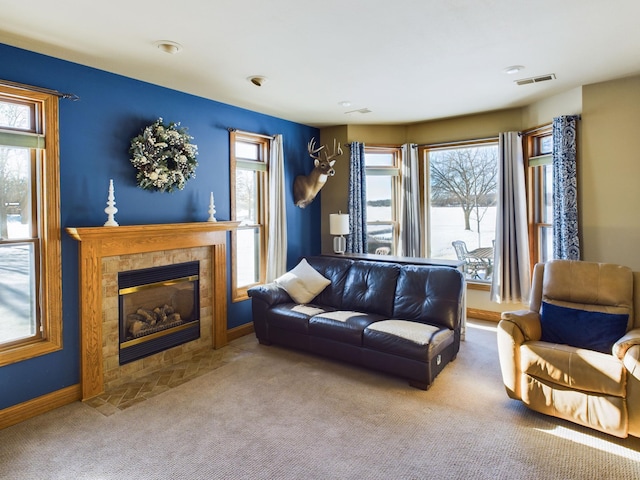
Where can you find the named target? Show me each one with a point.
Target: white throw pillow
(303, 283)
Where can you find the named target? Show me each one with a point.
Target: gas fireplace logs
(145, 321)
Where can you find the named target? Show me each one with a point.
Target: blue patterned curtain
(357, 202)
(511, 282)
(566, 244)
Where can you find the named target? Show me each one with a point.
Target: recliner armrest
(631, 361)
(270, 293)
(527, 321)
(631, 338)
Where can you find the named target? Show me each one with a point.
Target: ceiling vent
(541, 78)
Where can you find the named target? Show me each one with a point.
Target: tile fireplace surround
(102, 249)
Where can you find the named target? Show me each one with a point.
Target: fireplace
(105, 251)
(159, 308)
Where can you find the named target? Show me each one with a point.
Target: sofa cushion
(574, 368)
(413, 340)
(303, 283)
(370, 287)
(430, 295)
(606, 413)
(588, 283)
(294, 317)
(582, 328)
(342, 326)
(336, 270)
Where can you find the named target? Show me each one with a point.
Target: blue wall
(95, 133)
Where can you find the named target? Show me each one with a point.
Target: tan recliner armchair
(591, 388)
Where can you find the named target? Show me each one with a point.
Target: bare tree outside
(465, 178)
(14, 186)
(14, 167)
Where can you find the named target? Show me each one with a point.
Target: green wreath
(163, 157)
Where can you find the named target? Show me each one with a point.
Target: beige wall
(608, 163)
(542, 112)
(470, 127)
(608, 172)
(378, 134)
(333, 196)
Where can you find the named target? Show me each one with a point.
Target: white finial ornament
(111, 210)
(212, 210)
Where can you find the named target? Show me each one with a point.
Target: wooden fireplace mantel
(95, 243)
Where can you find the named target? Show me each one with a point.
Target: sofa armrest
(631, 361)
(631, 338)
(514, 329)
(527, 321)
(270, 293)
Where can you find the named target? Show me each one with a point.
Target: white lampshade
(338, 224)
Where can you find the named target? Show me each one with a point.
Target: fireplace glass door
(159, 309)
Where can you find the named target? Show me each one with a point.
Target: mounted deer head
(305, 188)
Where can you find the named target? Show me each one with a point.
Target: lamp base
(339, 244)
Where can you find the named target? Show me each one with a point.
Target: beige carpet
(273, 413)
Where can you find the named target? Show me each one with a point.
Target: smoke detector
(513, 69)
(359, 110)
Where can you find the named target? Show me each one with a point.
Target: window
(249, 154)
(30, 262)
(383, 186)
(538, 158)
(462, 195)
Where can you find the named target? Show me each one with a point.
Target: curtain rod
(384, 145)
(70, 96)
(536, 129)
(270, 137)
(549, 125)
(457, 143)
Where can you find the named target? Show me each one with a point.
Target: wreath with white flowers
(164, 157)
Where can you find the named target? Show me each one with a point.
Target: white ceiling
(405, 60)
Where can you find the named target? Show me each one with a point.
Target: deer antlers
(313, 151)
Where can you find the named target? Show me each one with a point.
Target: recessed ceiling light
(513, 69)
(257, 80)
(167, 46)
(345, 103)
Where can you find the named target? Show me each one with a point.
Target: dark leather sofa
(401, 319)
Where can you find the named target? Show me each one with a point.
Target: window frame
(394, 172)
(47, 244)
(535, 161)
(239, 292)
(425, 191)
